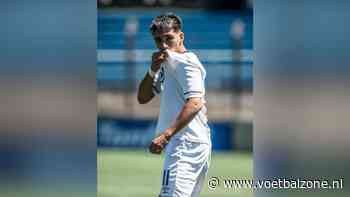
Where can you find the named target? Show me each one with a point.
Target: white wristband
(151, 72)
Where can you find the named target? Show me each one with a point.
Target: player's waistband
(188, 139)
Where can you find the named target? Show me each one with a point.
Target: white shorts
(185, 167)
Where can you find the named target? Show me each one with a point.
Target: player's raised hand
(158, 144)
(157, 59)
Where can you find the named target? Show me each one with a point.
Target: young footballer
(178, 77)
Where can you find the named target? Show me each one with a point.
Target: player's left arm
(191, 107)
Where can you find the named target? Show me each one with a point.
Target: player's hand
(157, 59)
(158, 144)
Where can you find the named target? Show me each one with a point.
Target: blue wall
(203, 30)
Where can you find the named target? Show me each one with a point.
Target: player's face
(170, 40)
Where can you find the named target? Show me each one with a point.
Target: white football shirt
(181, 77)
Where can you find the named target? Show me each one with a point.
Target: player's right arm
(145, 93)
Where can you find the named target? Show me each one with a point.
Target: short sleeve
(191, 80)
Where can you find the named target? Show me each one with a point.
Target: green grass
(136, 173)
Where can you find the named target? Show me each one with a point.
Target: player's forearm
(145, 93)
(188, 112)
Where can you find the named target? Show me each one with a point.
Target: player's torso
(172, 100)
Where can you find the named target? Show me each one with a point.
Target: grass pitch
(137, 173)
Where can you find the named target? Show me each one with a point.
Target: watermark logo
(213, 183)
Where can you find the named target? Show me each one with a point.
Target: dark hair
(166, 22)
